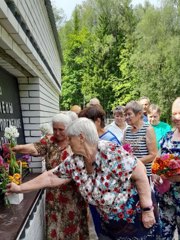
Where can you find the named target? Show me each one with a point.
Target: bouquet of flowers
(166, 165)
(11, 134)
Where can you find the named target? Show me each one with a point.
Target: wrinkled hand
(12, 188)
(15, 149)
(157, 180)
(148, 219)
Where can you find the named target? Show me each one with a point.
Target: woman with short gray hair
(107, 177)
(66, 210)
(140, 135)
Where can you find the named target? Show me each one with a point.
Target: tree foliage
(118, 53)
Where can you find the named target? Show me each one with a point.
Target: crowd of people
(107, 168)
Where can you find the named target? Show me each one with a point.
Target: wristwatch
(147, 208)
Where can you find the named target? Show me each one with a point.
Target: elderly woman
(119, 125)
(66, 211)
(140, 135)
(107, 177)
(169, 202)
(160, 128)
(97, 115)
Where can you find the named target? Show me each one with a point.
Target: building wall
(29, 51)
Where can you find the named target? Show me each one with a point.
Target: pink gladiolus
(173, 164)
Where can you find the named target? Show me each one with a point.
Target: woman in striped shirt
(140, 135)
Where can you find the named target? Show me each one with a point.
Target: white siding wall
(39, 94)
(35, 15)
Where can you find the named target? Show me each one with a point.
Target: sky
(69, 5)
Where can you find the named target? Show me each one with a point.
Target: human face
(76, 144)
(132, 118)
(176, 114)
(119, 118)
(145, 104)
(153, 117)
(59, 131)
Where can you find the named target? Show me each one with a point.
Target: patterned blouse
(109, 187)
(66, 210)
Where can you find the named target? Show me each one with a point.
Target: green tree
(157, 55)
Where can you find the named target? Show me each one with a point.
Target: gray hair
(135, 106)
(62, 118)
(144, 98)
(72, 115)
(84, 126)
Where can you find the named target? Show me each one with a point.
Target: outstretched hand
(12, 188)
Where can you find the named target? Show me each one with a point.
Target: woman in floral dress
(66, 211)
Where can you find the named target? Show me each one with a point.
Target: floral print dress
(66, 210)
(111, 190)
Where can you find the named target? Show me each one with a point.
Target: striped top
(137, 141)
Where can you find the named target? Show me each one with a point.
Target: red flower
(103, 155)
(53, 233)
(102, 201)
(64, 155)
(113, 148)
(43, 141)
(130, 211)
(108, 176)
(62, 199)
(120, 215)
(119, 166)
(129, 220)
(71, 215)
(49, 197)
(70, 230)
(106, 184)
(76, 178)
(54, 217)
